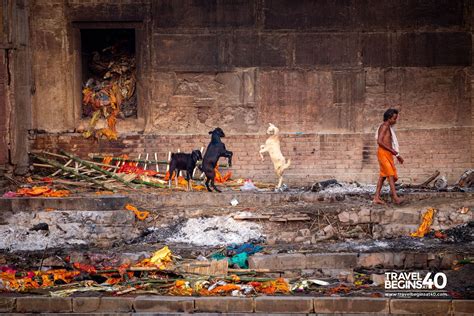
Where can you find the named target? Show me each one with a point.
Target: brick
(463, 307)
(283, 304)
(224, 304)
(7, 304)
(351, 305)
(33, 304)
(331, 261)
(418, 306)
(163, 304)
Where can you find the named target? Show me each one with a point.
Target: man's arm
(382, 139)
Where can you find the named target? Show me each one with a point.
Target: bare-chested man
(388, 147)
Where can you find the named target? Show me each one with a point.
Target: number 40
(435, 281)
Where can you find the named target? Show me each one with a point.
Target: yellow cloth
(387, 164)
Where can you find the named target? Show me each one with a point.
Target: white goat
(272, 146)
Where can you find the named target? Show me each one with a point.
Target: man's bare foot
(377, 200)
(398, 201)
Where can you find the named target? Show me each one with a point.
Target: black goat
(182, 161)
(214, 151)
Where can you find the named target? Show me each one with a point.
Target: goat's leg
(263, 149)
(171, 177)
(280, 182)
(228, 154)
(214, 186)
(207, 184)
(176, 177)
(189, 178)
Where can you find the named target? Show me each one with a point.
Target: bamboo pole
(161, 162)
(156, 161)
(70, 170)
(92, 166)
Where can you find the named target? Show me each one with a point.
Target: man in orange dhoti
(388, 147)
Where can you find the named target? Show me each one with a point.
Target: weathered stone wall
(326, 69)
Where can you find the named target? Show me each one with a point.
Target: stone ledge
(224, 304)
(463, 307)
(34, 304)
(163, 304)
(170, 305)
(283, 304)
(420, 306)
(7, 304)
(351, 305)
(104, 304)
(331, 261)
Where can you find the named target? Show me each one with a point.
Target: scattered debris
(463, 210)
(141, 215)
(40, 226)
(467, 179)
(441, 183)
(322, 185)
(248, 186)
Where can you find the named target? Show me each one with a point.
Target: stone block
(211, 13)
(405, 217)
(383, 15)
(331, 260)
(85, 304)
(92, 11)
(116, 304)
(376, 50)
(277, 262)
(351, 305)
(253, 50)
(163, 304)
(283, 304)
(378, 279)
(33, 304)
(307, 15)
(337, 50)
(185, 51)
(7, 304)
(420, 306)
(371, 260)
(463, 307)
(223, 305)
(431, 49)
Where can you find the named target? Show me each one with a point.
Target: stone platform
(276, 305)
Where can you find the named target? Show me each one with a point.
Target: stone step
(342, 261)
(330, 264)
(80, 203)
(282, 305)
(262, 199)
(65, 229)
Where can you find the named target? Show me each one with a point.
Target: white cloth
(395, 144)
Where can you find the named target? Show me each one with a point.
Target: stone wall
(317, 69)
(314, 156)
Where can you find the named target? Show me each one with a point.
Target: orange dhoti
(387, 164)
